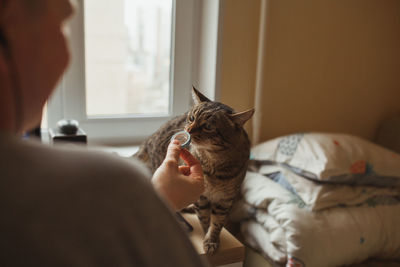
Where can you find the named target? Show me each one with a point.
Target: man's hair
(34, 7)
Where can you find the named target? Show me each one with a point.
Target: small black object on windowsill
(68, 130)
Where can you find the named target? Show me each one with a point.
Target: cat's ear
(242, 117)
(198, 97)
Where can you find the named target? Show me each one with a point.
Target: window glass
(127, 57)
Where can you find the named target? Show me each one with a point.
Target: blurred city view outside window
(127, 57)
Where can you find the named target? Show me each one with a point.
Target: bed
(321, 199)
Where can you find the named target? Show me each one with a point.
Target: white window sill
(122, 151)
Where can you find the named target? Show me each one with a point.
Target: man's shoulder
(69, 174)
(69, 163)
(96, 206)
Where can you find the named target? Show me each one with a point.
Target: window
(133, 65)
(133, 76)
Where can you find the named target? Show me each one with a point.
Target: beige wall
(239, 54)
(329, 65)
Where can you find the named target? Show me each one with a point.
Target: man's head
(33, 59)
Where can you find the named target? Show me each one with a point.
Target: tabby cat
(221, 145)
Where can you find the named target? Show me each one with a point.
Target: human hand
(179, 185)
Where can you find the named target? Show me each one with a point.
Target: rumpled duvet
(279, 217)
(320, 199)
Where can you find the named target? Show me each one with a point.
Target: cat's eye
(191, 118)
(207, 127)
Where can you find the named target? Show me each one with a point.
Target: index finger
(191, 161)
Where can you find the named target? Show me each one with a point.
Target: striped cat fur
(222, 146)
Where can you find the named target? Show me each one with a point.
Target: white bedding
(321, 200)
(279, 223)
(324, 162)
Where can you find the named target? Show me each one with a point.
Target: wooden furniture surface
(230, 249)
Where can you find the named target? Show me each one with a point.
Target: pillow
(333, 158)
(341, 170)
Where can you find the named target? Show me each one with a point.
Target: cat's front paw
(210, 246)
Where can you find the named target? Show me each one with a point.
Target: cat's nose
(189, 128)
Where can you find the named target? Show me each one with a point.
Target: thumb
(173, 151)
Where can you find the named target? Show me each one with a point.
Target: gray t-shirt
(73, 207)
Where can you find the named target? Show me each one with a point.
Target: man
(72, 207)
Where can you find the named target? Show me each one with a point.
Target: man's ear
(241, 117)
(198, 97)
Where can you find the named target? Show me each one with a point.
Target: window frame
(198, 26)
